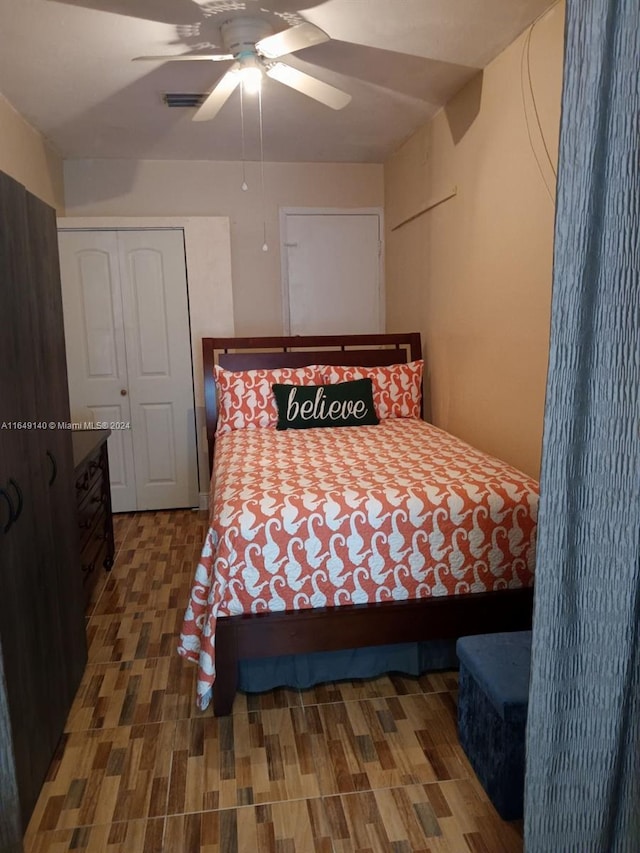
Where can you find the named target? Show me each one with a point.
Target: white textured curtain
(583, 736)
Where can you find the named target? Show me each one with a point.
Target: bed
(358, 537)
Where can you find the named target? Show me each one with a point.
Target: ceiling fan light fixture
(250, 73)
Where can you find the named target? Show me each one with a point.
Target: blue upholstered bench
(492, 713)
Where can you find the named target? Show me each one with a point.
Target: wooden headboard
(270, 352)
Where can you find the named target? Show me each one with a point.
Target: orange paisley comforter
(308, 518)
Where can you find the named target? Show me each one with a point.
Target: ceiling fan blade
(185, 57)
(288, 41)
(217, 98)
(310, 86)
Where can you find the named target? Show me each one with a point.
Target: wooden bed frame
(323, 629)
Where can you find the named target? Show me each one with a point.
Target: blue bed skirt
(304, 671)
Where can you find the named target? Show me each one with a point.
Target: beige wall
(29, 158)
(473, 273)
(182, 188)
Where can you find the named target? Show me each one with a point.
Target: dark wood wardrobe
(42, 625)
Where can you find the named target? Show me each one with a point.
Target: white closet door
(333, 280)
(96, 359)
(129, 359)
(156, 313)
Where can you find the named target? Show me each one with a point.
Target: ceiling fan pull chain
(245, 186)
(265, 245)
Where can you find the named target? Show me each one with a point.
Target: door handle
(54, 467)
(5, 495)
(18, 492)
(123, 392)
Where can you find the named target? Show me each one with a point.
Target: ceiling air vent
(183, 99)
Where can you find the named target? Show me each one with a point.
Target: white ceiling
(66, 66)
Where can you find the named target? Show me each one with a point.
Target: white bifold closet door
(129, 359)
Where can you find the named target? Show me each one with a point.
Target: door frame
(329, 211)
(207, 241)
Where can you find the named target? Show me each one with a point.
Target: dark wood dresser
(93, 497)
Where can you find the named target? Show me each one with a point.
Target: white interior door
(96, 357)
(332, 265)
(158, 347)
(129, 359)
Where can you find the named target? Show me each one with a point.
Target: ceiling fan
(255, 49)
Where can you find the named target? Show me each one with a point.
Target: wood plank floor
(356, 767)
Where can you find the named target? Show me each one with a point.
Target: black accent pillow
(342, 404)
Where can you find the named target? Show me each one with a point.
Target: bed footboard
(326, 629)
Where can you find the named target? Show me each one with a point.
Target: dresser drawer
(95, 551)
(92, 472)
(93, 501)
(90, 505)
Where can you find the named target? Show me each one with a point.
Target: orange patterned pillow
(245, 398)
(397, 389)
